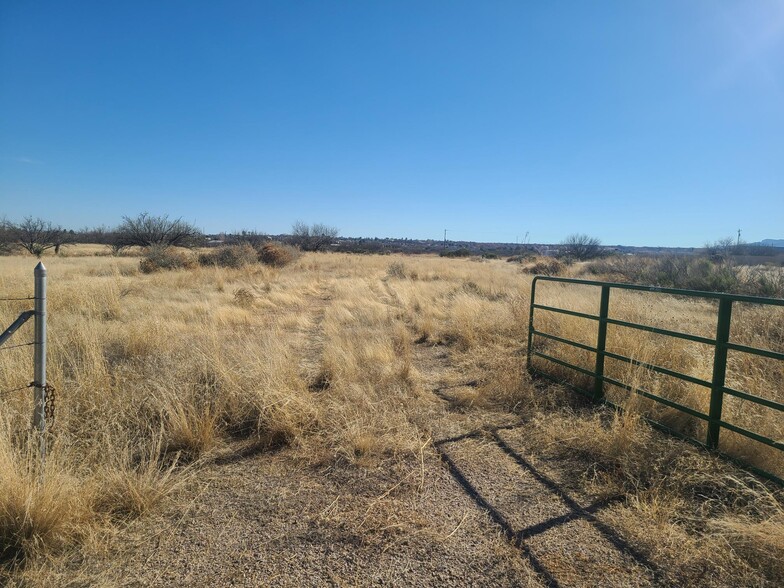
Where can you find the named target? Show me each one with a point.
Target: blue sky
(642, 123)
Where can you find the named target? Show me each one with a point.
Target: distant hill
(771, 243)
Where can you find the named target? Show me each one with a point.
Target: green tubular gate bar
(721, 345)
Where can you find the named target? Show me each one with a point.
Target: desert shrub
(164, 258)
(521, 258)
(544, 266)
(277, 254)
(704, 274)
(763, 281)
(315, 237)
(396, 269)
(690, 273)
(234, 256)
(243, 297)
(462, 252)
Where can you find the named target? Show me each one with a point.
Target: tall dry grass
(158, 373)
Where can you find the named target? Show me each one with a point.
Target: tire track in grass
(561, 539)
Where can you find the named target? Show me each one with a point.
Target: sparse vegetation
(158, 374)
(691, 273)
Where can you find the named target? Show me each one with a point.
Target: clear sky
(639, 122)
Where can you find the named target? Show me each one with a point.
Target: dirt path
(475, 509)
(312, 339)
(272, 519)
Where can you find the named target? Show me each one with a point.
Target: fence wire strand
(5, 393)
(11, 299)
(4, 347)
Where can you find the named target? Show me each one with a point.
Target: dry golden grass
(157, 373)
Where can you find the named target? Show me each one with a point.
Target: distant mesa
(771, 243)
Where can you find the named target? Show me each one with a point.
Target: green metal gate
(721, 345)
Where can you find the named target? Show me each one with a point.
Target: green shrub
(234, 256)
(278, 254)
(764, 281)
(165, 258)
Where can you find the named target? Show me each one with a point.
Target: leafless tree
(147, 230)
(721, 248)
(101, 235)
(66, 237)
(7, 237)
(250, 236)
(37, 235)
(581, 247)
(313, 237)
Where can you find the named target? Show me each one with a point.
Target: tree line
(36, 235)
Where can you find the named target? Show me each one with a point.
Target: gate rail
(721, 344)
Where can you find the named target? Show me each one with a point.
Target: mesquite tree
(581, 247)
(147, 230)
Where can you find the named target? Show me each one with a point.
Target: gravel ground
(266, 521)
(569, 547)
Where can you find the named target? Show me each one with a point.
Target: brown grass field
(291, 426)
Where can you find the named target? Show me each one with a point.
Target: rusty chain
(50, 396)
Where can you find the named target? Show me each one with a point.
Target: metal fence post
(531, 323)
(719, 371)
(601, 342)
(39, 378)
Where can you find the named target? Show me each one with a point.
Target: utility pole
(444, 239)
(738, 237)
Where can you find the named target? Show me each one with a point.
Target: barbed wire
(4, 347)
(10, 299)
(5, 393)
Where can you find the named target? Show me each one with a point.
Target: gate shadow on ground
(518, 537)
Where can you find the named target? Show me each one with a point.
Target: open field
(291, 426)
